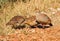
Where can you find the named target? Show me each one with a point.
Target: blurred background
(10, 8)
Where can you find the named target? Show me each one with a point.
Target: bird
(16, 22)
(30, 21)
(42, 19)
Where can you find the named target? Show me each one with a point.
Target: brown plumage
(39, 20)
(31, 21)
(16, 21)
(43, 20)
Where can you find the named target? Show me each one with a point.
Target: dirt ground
(34, 34)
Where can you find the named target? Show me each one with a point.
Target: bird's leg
(39, 26)
(34, 26)
(46, 26)
(43, 27)
(14, 26)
